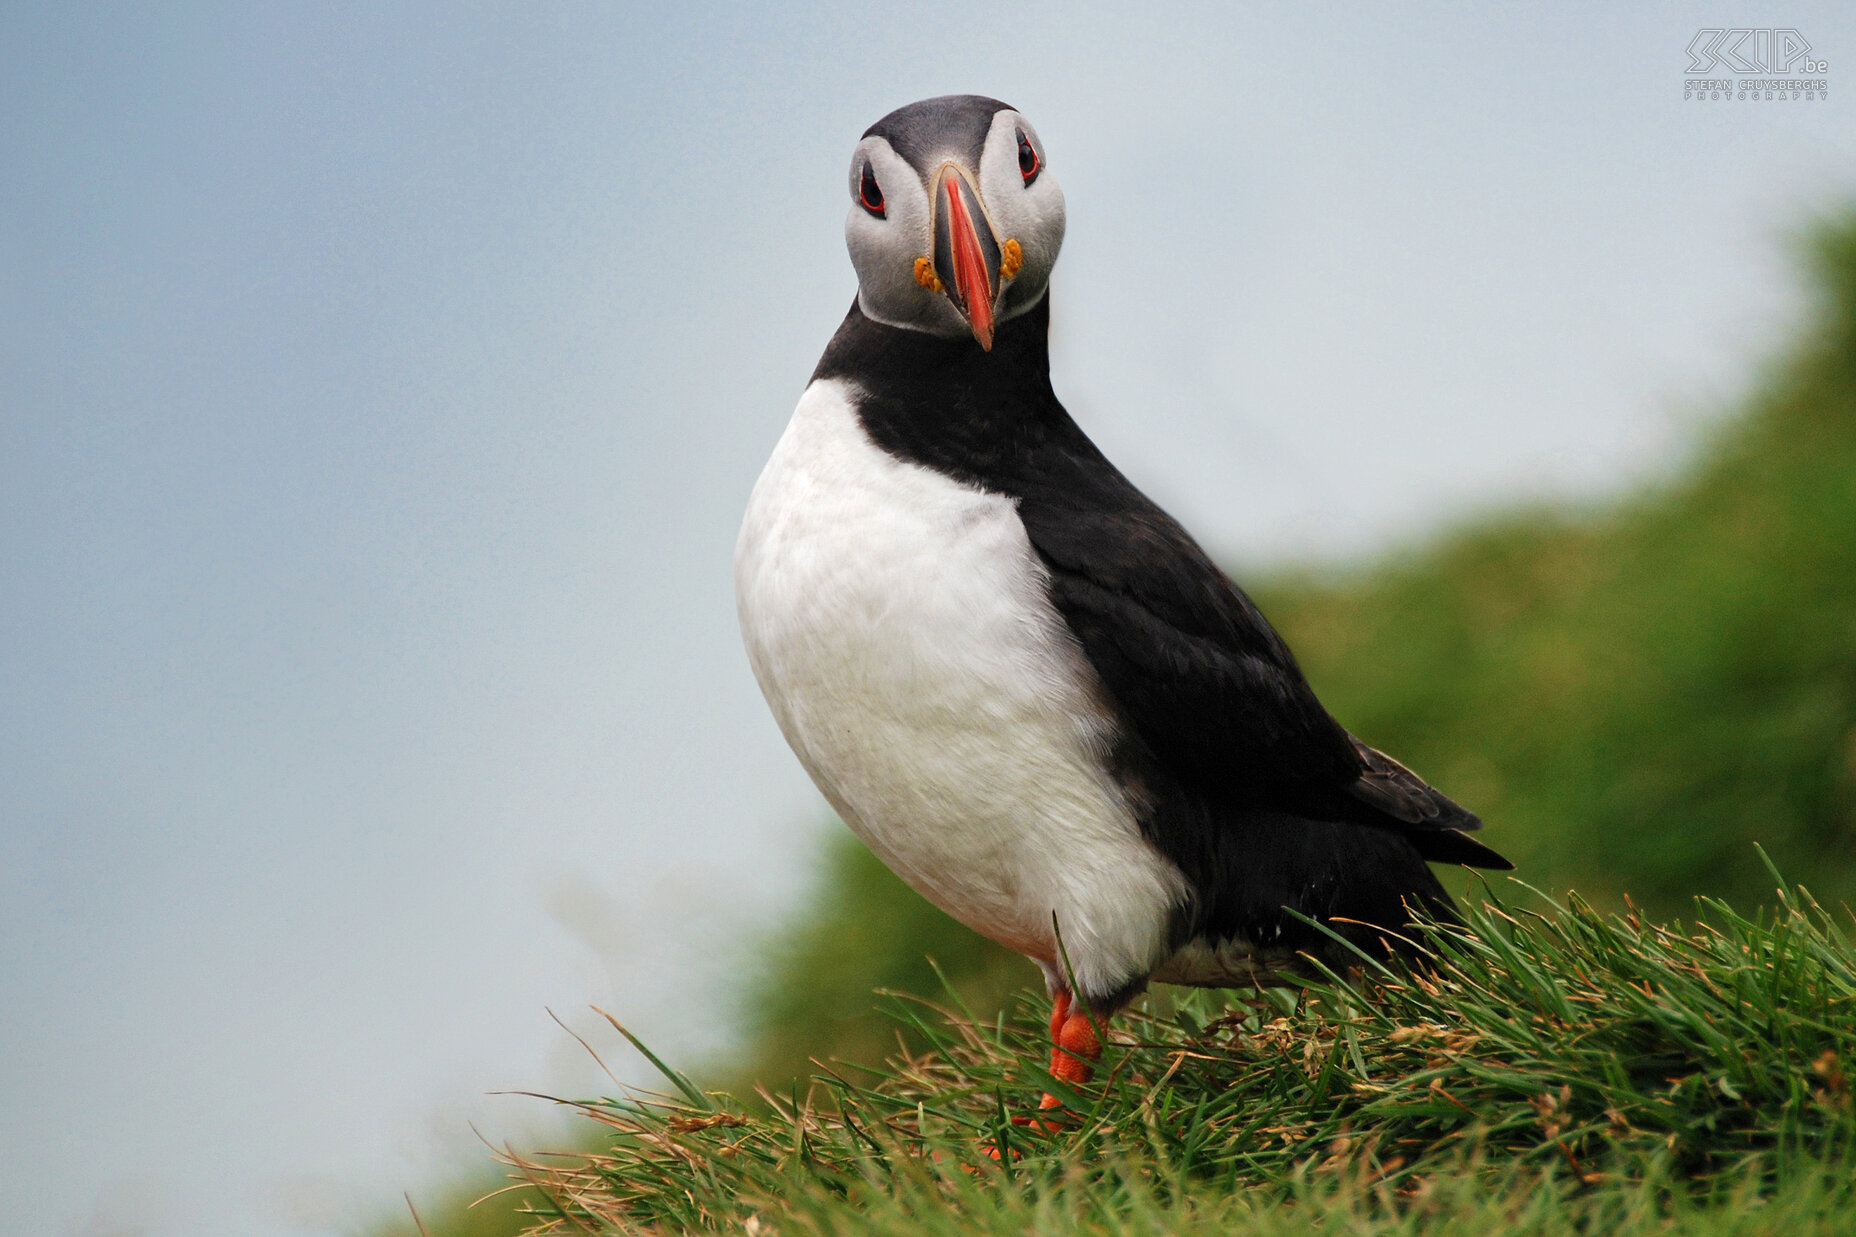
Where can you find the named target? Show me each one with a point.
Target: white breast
(899, 624)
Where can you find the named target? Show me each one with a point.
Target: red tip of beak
(973, 284)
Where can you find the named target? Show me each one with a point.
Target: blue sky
(380, 389)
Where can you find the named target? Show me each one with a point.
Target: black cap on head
(920, 131)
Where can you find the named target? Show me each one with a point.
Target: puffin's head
(955, 223)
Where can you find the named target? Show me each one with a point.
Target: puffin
(1019, 681)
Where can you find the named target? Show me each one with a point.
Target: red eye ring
(1029, 165)
(869, 193)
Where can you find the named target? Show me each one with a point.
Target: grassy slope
(1628, 696)
(1551, 1073)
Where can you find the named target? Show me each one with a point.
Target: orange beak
(966, 254)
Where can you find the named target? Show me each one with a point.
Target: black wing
(1205, 681)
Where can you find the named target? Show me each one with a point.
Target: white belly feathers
(898, 622)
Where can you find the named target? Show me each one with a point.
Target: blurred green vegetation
(1631, 696)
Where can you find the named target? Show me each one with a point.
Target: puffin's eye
(869, 193)
(1028, 161)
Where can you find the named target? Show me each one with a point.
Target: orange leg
(1059, 1014)
(1074, 1050)
(1074, 1046)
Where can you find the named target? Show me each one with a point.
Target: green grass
(1550, 1066)
(1119, 1199)
(1123, 1199)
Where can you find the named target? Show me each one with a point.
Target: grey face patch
(975, 141)
(950, 126)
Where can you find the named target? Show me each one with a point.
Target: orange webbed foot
(1075, 1047)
